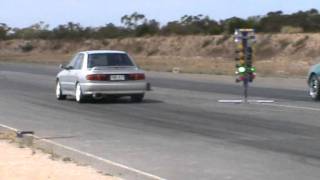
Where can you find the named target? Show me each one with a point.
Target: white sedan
(98, 74)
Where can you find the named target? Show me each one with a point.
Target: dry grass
(44, 58)
(7, 135)
(17, 159)
(198, 65)
(22, 163)
(281, 67)
(276, 54)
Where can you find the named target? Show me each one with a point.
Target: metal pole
(246, 86)
(246, 78)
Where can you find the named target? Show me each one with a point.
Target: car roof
(102, 51)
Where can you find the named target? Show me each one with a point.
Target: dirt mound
(169, 52)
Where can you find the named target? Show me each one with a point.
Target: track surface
(180, 131)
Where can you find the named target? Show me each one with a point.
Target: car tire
(314, 88)
(59, 94)
(78, 94)
(137, 98)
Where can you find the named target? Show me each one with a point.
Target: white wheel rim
(314, 87)
(58, 92)
(78, 93)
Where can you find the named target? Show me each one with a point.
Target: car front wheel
(59, 94)
(314, 87)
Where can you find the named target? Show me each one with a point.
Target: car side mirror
(61, 66)
(69, 67)
(65, 67)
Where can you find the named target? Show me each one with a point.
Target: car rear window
(109, 59)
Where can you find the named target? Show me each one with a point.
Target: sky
(23, 13)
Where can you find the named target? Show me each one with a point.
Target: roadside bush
(105, 42)
(138, 25)
(152, 52)
(206, 43)
(27, 47)
(138, 48)
(291, 29)
(223, 39)
(284, 43)
(301, 42)
(4, 29)
(55, 45)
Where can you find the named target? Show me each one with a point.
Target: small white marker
(249, 101)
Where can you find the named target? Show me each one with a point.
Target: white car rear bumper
(123, 87)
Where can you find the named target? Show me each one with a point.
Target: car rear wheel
(137, 97)
(314, 87)
(59, 94)
(79, 95)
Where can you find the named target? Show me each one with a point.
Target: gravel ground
(22, 163)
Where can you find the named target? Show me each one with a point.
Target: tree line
(138, 25)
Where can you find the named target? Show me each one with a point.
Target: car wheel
(59, 94)
(314, 87)
(79, 95)
(137, 97)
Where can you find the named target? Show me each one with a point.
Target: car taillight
(137, 76)
(98, 77)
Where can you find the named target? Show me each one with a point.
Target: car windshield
(109, 59)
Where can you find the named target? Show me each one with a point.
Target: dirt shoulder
(22, 163)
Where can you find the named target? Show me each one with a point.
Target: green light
(253, 69)
(242, 69)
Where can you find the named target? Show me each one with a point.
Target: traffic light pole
(246, 76)
(245, 38)
(246, 87)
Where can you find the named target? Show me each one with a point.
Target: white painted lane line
(8, 127)
(261, 101)
(91, 155)
(293, 107)
(230, 101)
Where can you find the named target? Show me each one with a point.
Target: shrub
(291, 29)
(105, 42)
(27, 47)
(223, 39)
(206, 43)
(152, 52)
(301, 42)
(284, 43)
(55, 45)
(138, 48)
